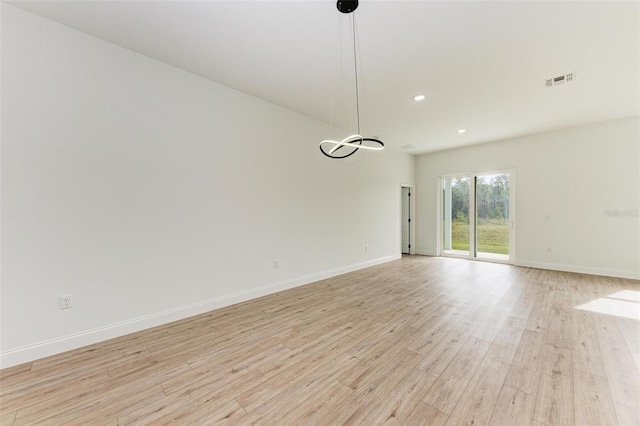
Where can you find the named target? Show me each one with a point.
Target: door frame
(412, 215)
(472, 206)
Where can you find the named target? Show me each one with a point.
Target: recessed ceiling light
(461, 131)
(418, 98)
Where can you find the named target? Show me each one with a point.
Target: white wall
(574, 175)
(151, 194)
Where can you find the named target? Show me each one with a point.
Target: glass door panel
(492, 221)
(455, 225)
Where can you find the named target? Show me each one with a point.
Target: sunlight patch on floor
(624, 304)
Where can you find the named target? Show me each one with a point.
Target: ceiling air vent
(561, 79)
(408, 146)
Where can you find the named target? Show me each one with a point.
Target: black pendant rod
(355, 67)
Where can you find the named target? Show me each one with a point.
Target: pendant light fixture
(349, 145)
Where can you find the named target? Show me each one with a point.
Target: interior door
(406, 220)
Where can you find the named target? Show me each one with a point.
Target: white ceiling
(481, 64)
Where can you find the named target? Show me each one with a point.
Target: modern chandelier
(349, 145)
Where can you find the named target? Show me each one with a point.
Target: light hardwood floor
(419, 340)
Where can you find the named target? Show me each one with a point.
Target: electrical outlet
(66, 301)
(549, 249)
(366, 247)
(276, 264)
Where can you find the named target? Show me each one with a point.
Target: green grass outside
(493, 236)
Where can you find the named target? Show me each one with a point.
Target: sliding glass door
(492, 216)
(456, 225)
(477, 216)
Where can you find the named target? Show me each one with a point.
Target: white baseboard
(74, 341)
(579, 269)
(425, 253)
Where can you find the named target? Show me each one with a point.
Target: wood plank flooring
(420, 340)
